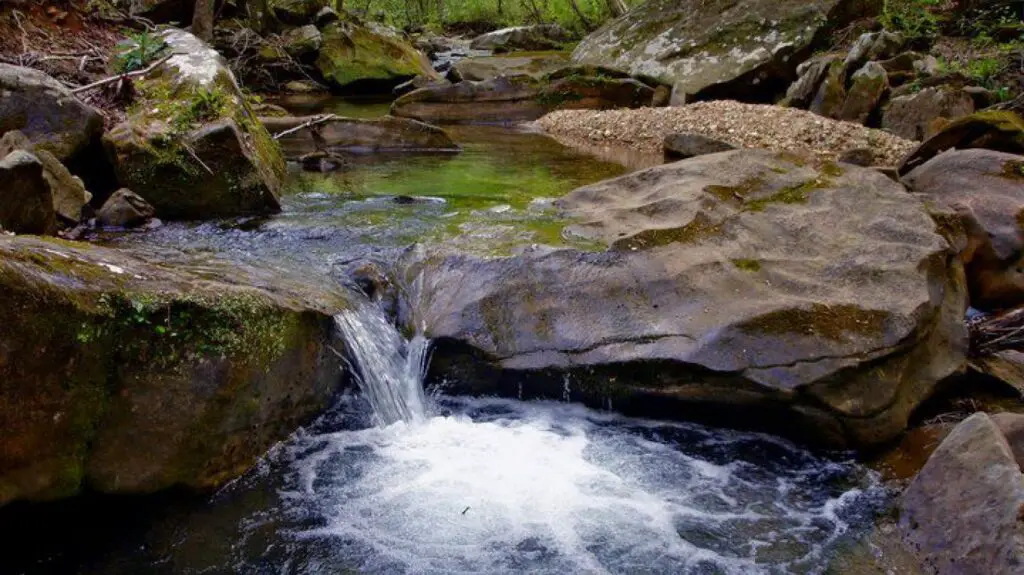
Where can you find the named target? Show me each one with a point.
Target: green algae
(832, 322)
(747, 265)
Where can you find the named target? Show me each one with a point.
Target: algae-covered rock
(302, 42)
(129, 376)
(747, 51)
(357, 57)
(920, 116)
(46, 112)
(192, 144)
(868, 87)
(520, 98)
(831, 95)
(743, 288)
(998, 130)
(26, 203)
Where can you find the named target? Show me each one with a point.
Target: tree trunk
(202, 20)
(579, 14)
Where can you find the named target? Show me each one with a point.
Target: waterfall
(388, 369)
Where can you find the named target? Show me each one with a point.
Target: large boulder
(302, 42)
(868, 87)
(124, 375)
(360, 58)
(962, 513)
(46, 112)
(747, 288)
(490, 67)
(747, 51)
(193, 143)
(340, 134)
(920, 116)
(810, 75)
(994, 130)
(68, 191)
(522, 38)
(986, 188)
(26, 204)
(520, 98)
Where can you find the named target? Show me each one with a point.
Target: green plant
(137, 51)
(915, 19)
(985, 70)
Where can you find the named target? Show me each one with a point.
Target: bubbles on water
(497, 486)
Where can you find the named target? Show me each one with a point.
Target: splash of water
(389, 369)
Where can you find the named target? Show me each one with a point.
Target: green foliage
(915, 19)
(137, 51)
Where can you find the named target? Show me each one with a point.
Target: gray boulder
(69, 193)
(298, 12)
(490, 67)
(920, 116)
(718, 48)
(810, 75)
(962, 513)
(302, 42)
(746, 287)
(125, 209)
(46, 112)
(522, 38)
(26, 204)
(683, 146)
(874, 46)
(868, 87)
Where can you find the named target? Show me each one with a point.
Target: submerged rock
(962, 513)
(747, 51)
(26, 203)
(125, 209)
(745, 288)
(986, 188)
(193, 146)
(357, 57)
(131, 376)
(387, 134)
(46, 112)
(520, 98)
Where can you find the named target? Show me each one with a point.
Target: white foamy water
(499, 486)
(388, 369)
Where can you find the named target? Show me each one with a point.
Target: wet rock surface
(154, 376)
(387, 134)
(743, 280)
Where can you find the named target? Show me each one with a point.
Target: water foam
(498, 486)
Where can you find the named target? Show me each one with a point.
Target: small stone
(125, 209)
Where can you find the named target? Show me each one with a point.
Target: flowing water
(395, 480)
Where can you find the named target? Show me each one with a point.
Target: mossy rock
(297, 12)
(192, 145)
(999, 130)
(355, 57)
(743, 282)
(132, 376)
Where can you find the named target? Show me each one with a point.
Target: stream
(396, 479)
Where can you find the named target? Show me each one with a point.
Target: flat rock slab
(747, 276)
(387, 134)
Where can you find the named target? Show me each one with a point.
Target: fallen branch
(195, 157)
(992, 334)
(307, 124)
(126, 75)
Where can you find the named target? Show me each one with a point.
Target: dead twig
(112, 79)
(195, 157)
(307, 124)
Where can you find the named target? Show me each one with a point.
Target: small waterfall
(389, 369)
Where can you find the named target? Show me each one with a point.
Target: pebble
(742, 125)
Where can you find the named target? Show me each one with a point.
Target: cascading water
(389, 369)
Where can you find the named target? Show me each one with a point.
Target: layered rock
(358, 57)
(46, 112)
(193, 143)
(26, 203)
(744, 287)
(721, 48)
(68, 191)
(522, 38)
(491, 67)
(921, 115)
(962, 513)
(986, 188)
(340, 134)
(129, 376)
(520, 98)
(994, 130)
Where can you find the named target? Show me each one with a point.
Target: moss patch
(747, 265)
(830, 322)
